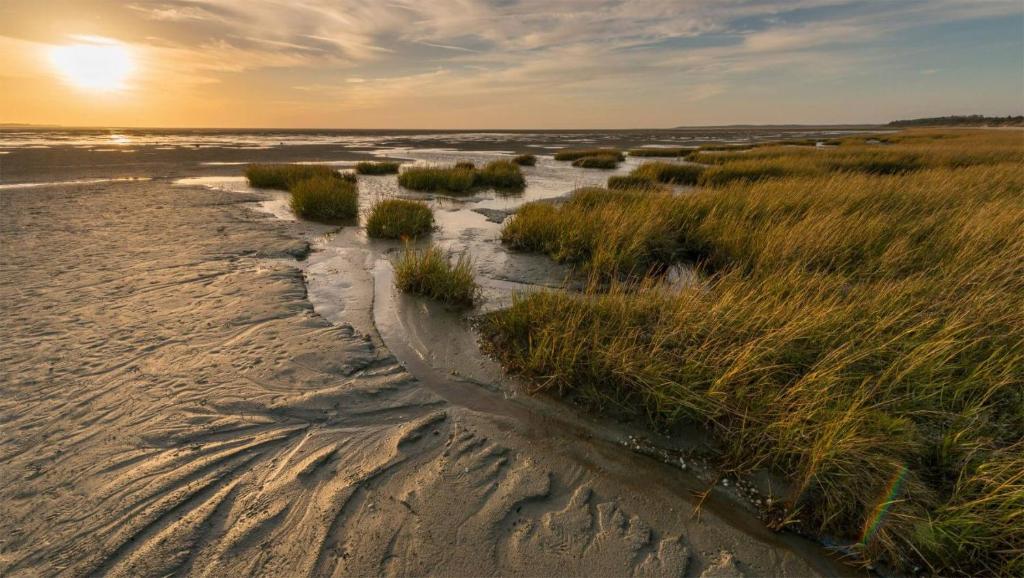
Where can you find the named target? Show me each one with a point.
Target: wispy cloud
(370, 54)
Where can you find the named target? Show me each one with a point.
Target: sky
(506, 63)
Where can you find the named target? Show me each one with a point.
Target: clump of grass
(669, 173)
(500, 174)
(430, 273)
(597, 162)
(862, 334)
(463, 177)
(448, 179)
(665, 152)
(465, 165)
(283, 176)
(377, 168)
(575, 154)
(626, 182)
(325, 198)
(399, 219)
(526, 160)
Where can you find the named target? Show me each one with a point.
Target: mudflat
(173, 404)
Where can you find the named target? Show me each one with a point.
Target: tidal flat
(216, 385)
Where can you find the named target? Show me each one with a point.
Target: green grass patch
(429, 272)
(325, 198)
(663, 152)
(377, 168)
(463, 178)
(399, 219)
(525, 160)
(597, 162)
(669, 173)
(627, 182)
(445, 179)
(575, 154)
(283, 176)
(500, 174)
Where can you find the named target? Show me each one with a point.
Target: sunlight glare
(100, 64)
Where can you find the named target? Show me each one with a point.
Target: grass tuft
(430, 273)
(575, 154)
(377, 168)
(500, 174)
(399, 219)
(447, 179)
(462, 177)
(283, 176)
(325, 198)
(663, 152)
(597, 162)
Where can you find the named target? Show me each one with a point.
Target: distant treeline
(963, 120)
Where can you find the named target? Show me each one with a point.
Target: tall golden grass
(859, 332)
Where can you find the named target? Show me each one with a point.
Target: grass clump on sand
(430, 273)
(399, 219)
(525, 160)
(448, 179)
(861, 333)
(377, 168)
(576, 154)
(325, 198)
(597, 162)
(663, 152)
(668, 173)
(283, 176)
(500, 174)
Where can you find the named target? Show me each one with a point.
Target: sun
(97, 64)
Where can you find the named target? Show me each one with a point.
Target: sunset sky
(505, 63)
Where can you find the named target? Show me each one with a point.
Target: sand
(173, 404)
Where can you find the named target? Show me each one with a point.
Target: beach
(185, 392)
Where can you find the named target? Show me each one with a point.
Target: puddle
(9, 186)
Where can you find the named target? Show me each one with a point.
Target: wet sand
(173, 403)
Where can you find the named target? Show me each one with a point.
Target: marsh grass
(575, 154)
(399, 219)
(628, 182)
(429, 272)
(463, 177)
(377, 168)
(669, 173)
(325, 198)
(597, 162)
(500, 174)
(526, 160)
(662, 152)
(283, 176)
(860, 332)
(447, 179)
